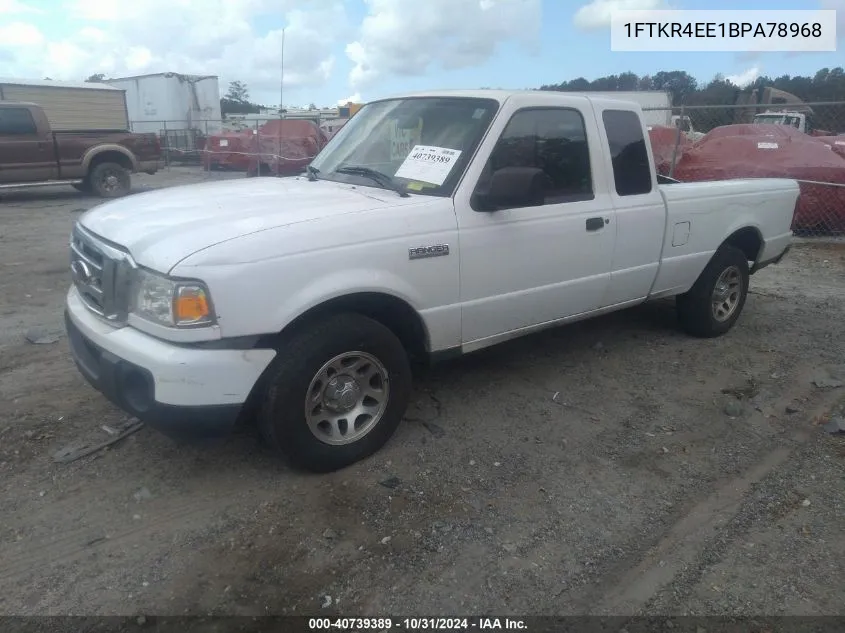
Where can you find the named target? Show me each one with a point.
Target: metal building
(71, 106)
(181, 109)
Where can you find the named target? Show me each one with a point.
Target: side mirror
(513, 187)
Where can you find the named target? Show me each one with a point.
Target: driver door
(527, 266)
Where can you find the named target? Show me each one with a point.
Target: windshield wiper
(311, 172)
(383, 179)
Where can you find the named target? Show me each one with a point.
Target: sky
(341, 50)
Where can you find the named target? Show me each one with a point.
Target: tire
(109, 180)
(698, 312)
(283, 417)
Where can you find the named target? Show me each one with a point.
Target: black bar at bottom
(527, 624)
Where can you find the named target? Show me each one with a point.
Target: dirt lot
(610, 467)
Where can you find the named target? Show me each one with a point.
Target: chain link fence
(690, 144)
(253, 146)
(805, 143)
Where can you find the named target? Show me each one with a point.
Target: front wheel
(335, 393)
(712, 306)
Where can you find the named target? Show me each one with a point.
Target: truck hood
(161, 228)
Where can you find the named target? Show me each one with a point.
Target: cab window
(553, 140)
(16, 122)
(631, 167)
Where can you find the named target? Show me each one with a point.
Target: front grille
(101, 274)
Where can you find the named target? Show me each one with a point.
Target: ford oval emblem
(81, 271)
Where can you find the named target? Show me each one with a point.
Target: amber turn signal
(191, 305)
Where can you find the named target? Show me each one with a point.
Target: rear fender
(97, 150)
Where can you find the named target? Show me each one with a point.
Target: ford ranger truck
(431, 225)
(98, 162)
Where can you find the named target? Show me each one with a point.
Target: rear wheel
(712, 306)
(109, 180)
(336, 393)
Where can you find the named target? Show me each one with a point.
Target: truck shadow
(656, 321)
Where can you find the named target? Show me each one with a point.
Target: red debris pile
(280, 146)
(288, 145)
(836, 143)
(775, 152)
(663, 140)
(753, 129)
(229, 150)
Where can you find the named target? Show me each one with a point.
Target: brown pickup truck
(93, 161)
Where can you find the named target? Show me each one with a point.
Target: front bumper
(183, 391)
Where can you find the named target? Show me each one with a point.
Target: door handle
(594, 224)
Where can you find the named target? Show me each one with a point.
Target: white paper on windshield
(224, 142)
(839, 142)
(767, 145)
(428, 164)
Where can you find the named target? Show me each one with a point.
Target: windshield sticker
(767, 145)
(418, 186)
(429, 164)
(224, 142)
(479, 112)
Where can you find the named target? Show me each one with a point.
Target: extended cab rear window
(631, 169)
(15, 121)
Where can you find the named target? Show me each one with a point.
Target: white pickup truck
(431, 225)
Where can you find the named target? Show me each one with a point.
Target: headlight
(174, 303)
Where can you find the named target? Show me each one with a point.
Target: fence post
(166, 147)
(256, 135)
(205, 156)
(677, 142)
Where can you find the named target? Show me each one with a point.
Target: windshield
(772, 119)
(421, 144)
(779, 119)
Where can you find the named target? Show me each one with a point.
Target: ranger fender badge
(421, 252)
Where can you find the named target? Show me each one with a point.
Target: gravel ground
(614, 466)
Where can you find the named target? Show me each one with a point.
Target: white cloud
(745, 78)
(598, 13)
(8, 7)
(356, 98)
(410, 37)
(839, 7)
(20, 35)
(216, 37)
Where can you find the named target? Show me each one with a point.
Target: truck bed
(712, 206)
(71, 147)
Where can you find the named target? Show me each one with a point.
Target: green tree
(678, 82)
(828, 85)
(236, 100)
(238, 92)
